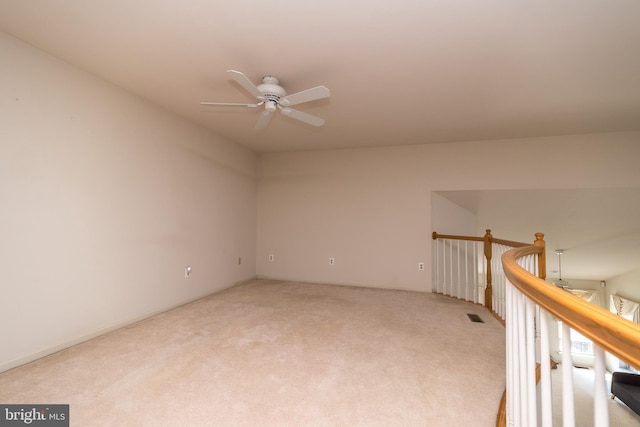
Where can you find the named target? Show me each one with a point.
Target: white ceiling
(400, 72)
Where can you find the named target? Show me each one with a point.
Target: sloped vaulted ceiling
(402, 72)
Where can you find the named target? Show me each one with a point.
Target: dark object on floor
(626, 387)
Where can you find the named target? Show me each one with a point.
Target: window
(579, 344)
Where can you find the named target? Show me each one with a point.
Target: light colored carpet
(271, 353)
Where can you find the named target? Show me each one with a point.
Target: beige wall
(449, 218)
(371, 208)
(626, 285)
(105, 199)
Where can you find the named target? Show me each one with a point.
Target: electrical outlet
(187, 271)
(421, 266)
(272, 258)
(332, 261)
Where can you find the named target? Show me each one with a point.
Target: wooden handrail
(435, 236)
(487, 236)
(510, 243)
(610, 332)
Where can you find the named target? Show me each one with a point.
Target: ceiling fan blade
(230, 104)
(264, 119)
(303, 117)
(243, 81)
(318, 92)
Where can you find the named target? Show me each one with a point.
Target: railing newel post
(542, 256)
(488, 253)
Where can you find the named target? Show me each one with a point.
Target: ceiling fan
(273, 96)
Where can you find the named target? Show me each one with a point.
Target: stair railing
(470, 268)
(512, 274)
(529, 302)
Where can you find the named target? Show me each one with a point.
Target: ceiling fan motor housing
(272, 92)
(270, 86)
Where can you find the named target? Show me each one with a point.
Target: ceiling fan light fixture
(270, 106)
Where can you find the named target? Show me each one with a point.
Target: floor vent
(475, 318)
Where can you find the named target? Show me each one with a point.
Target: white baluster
(522, 355)
(546, 398)
(513, 383)
(466, 270)
(436, 266)
(457, 292)
(476, 290)
(496, 281)
(600, 407)
(450, 288)
(530, 367)
(568, 412)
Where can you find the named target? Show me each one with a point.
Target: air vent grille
(475, 318)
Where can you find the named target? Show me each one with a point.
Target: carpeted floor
(270, 353)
